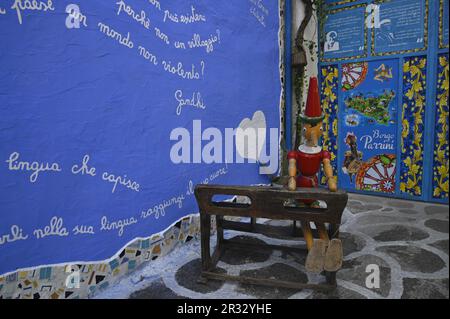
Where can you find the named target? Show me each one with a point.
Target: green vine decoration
(317, 9)
(321, 8)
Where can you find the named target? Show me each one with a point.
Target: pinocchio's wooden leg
(292, 170)
(316, 248)
(307, 234)
(321, 229)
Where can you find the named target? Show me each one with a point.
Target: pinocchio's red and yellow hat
(313, 111)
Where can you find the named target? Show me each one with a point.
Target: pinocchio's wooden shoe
(316, 256)
(334, 255)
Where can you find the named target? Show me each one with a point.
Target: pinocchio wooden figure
(304, 165)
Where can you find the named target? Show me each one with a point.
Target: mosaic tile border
(84, 280)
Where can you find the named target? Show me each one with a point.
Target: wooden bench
(265, 202)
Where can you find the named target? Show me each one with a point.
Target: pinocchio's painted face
(312, 133)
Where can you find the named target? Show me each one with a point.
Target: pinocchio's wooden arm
(328, 170)
(292, 170)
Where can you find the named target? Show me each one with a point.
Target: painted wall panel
(410, 38)
(345, 33)
(368, 125)
(329, 79)
(413, 125)
(402, 26)
(441, 150)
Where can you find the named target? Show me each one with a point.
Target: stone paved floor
(407, 240)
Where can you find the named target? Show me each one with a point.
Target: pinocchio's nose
(314, 139)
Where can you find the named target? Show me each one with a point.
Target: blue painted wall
(88, 103)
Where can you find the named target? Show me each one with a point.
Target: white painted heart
(251, 136)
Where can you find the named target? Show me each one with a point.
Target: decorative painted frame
(441, 151)
(413, 125)
(337, 3)
(329, 92)
(441, 26)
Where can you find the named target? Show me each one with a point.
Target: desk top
(272, 202)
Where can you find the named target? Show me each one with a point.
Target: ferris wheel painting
(377, 174)
(353, 74)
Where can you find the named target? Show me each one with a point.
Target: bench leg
(205, 235)
(331, 278)
(253, 222)
(219, 230)
(333, 231)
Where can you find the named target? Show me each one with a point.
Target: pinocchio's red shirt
(308, 165)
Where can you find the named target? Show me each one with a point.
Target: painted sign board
(112, 111)
(368, 125)
(344, 33)
(402, 26)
